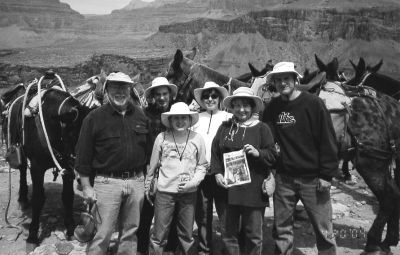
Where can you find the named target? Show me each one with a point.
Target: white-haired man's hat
(244, 92)
(160, 82)
(209, 85)
(179, 108)
(283, 67)
(118, 77)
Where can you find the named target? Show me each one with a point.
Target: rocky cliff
(303, 24)
(292, 34)
(75, 75)
(38, 14)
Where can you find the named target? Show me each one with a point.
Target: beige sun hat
(159, 82)
(117, 77)
(283, 67)
(209, 85)
(179, 108)
(244, 92)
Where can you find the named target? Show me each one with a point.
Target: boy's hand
(186, 186)
(220, 181)
(148, 197)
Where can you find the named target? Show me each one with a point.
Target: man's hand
(220, 181)
(89, 195)
(323, 185)
(249, 149)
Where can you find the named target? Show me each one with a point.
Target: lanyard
(176, 146)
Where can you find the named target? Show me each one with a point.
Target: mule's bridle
(186, 82)
(61, 106)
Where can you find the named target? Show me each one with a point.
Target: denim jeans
(118, 201)
(247, 221)
(165, 206)
(318, 205)
(204, 215)
(143, 232)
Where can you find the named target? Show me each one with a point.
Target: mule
(188, 75)
(371, 130)
(254, 72)
(62, 116)
(369, 76)
(332, 74)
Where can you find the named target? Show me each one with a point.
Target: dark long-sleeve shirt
(304, 131)
(260, 136)
(112, 142)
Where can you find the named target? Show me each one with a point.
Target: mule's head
(178, 73)
(361, 69)
(64, 116)
(331, 69)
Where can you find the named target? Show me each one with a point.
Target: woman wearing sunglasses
(209, 98)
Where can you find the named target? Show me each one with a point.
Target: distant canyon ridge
(38, 34)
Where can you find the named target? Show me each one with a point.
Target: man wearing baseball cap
(113, 145)
(308, 159)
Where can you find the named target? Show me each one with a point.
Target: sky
(97, 6)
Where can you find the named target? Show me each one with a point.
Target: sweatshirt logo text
(286, 119)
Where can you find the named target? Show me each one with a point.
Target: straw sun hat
(244, 92)
(160, 82)
(179, 108)
(209, 86)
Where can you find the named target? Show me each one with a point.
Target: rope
(9, 225)
(56, 163)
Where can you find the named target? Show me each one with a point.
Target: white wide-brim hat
(283, 67)
(179, 108)
(160, 82)
(209, 85)
(119, 77)
(244, 92)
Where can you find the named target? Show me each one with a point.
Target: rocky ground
(354, 210)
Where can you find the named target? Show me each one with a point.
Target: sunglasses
(207, 96)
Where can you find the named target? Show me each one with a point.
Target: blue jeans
(318, 205)
(247, 221)
(118, 201)
(165, 205)
(204, 214)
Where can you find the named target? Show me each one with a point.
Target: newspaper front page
(236, 168)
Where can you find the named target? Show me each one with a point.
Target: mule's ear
(353, 65)
(269, 66)
(102, 76)
(253, 70)
(376, 68)
(320, 64)
(136, 78)
(335, 64)
(361, 65)
(178, 58)
(192, 54)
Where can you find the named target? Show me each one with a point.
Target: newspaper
(236, 168)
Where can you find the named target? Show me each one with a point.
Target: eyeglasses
(207, 96)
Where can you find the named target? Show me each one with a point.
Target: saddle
(89, 94)
(9, 94)
(314, 84)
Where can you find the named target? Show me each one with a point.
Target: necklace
(209, 123)
(176, 146)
